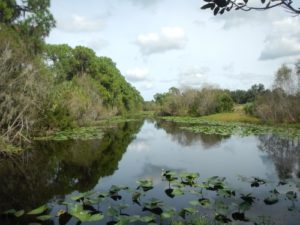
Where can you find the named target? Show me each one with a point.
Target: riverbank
(233, 123)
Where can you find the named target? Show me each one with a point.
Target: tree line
(46, 87)
(279, 104)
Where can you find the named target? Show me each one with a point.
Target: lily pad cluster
(199, 125)
(211, 198)
(82, 133)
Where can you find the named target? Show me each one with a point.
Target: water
(54, 171)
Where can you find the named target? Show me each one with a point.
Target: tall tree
(31, 18)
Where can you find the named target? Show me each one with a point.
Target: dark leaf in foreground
(239, 216)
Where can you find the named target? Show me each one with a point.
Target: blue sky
(157, 44)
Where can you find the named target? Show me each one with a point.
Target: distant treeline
(280, 104)
(45, 87)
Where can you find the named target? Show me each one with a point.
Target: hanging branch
(220, 6)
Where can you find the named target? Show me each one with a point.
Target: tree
(221, 6)
(31, 18)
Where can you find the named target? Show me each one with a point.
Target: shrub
(249, 108)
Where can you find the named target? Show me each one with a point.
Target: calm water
(54, 171)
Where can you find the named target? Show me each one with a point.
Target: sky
(158, 44)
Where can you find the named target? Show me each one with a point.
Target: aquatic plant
(82, 133)
(199, 125)
(222, 203)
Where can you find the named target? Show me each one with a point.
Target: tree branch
(219, 6)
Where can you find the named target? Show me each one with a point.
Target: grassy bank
(237, 115)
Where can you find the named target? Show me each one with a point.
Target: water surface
(54, 171)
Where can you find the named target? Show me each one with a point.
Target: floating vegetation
(116, 120)
(212, 199)
(199, 125)
(86, 133)
(82, 133)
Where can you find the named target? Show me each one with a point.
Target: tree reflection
(285, 154)
(54, 169)
(187, 138)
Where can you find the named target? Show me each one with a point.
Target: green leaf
(205, 202)
(221, 207)
(291, 195)
(169, 175)
(134, 218)
(222, 218)
(271, 200)
(194, 203)
(44, 217)
(248, 198)
(168, 213)
(38, 210)
(245, 206)
(95, 217)
(81, 196)
(177, 192)
(112, 211)
(147, 219)
(83, 215)
(145, 184)
(19, 213)
(136, 196)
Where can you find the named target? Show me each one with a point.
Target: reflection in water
(54, 169)
(285, 154)
(186, 138)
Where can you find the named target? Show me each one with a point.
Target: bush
(194, 102)
(249, 108)
(24, 87)
(75, 103)
(224, 103)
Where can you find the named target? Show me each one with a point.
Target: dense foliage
(194, 102)
(87, 87)
(281, 104)
(52, 86)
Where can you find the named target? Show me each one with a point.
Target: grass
(238, 115)
(8, 148)
(236, 122)
(232, 117)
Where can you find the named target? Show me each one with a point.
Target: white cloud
(80, 24)
(137, 74)
(283, 40)
(169, 38)
(193, 77)
(139, 146)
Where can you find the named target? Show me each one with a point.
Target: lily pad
(38, 210)
(271, 200)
